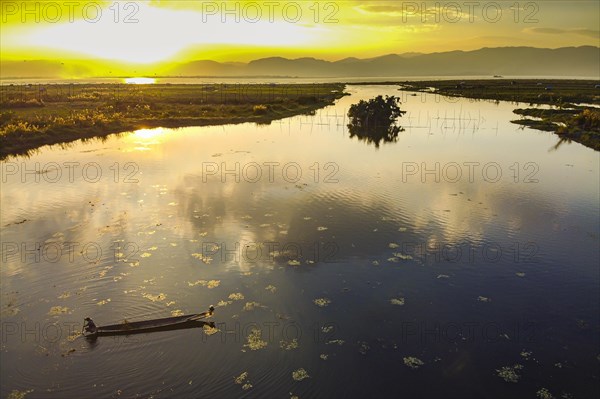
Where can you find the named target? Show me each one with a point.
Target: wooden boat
(145, 326)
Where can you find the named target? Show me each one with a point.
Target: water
(469, 272)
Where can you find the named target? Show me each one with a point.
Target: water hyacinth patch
(285, 345)
(251, 306)
(509, 373)
(544, 394)
(322, 302)
(300, 375)
(271, 288)
(56, 310)
(413, 362)
(209, 330)
(254, 341)
(208, 284)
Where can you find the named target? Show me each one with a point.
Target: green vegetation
(35, 115)
(573, 117)
(373, 121)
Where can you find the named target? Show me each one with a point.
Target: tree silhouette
(373, 121)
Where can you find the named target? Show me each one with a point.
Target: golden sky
(164, 32)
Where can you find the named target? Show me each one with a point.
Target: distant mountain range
(511, 61)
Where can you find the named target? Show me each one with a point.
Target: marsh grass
(35, 115)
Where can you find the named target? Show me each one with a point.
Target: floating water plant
(271, 288)
(402, 256)
(363, 347)
(254, 340)
(155, 298)
(251, 305)
(544, 394)
(525, 355)
(213, 284)
(208, 330)
(413, 362)
(241, 378)
(205, 259)
(285, 345)
(56, 310)
(15, 394)
(322, 302)
(208, 284)
(509, 373)
(236, 296)
(300, 375)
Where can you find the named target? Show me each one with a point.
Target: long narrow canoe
(136, 327)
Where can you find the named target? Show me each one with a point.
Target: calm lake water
(462, 255)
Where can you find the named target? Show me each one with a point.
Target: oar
(211, 309)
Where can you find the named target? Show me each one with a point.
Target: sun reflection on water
(140, 81)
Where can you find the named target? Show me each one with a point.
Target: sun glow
(140, 81)
(160, 34)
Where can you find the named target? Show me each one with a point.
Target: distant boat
(498, 76)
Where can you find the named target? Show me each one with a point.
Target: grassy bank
(570, 121)
(35, 115)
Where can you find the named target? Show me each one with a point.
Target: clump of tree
(374, 121)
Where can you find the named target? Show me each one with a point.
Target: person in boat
(89, 326)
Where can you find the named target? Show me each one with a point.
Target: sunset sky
(160, 33)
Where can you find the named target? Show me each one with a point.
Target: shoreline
(569, 118)
(36, 116)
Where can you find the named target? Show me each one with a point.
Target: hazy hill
(566, 61)
(521, 61)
